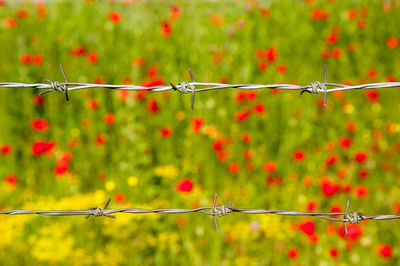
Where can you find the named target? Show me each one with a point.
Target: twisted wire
(220, 211)
(193, 86)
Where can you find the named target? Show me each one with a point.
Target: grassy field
(260, 149)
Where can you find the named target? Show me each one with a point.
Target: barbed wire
(214, 210)
(193, 86)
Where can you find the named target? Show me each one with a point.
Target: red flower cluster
(197, 124)
(319, 14)
(328, 188)
(62, 165)
(41, 147)
(27, 59)
(78, 51)
(11, 180)
(40, 125)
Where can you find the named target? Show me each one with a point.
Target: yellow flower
(167, 171)
(110, 185)
(132, 181)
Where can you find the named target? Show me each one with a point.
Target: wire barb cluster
(193, 86)
(221, 210)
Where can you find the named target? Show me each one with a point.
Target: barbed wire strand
(194, 87)
(214, 210)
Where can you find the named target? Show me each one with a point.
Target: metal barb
(66, 83)
(96, 211)
(214, 212)
(193, 88)
(325, 85)
(345, 216)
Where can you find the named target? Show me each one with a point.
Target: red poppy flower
(331, 160)
(372, 95)
(259, 108)
(311, 206)
(247, 154)
(292, 253)
(92, 104)
(351, 126)
(99, 80)
(60, 169)
(337, 52)
(352, 13)
(354, 231)
(333, 252)
(319, 14)
(361, 191)
(109, 118)
(271, 54)
(40, 125)
(246, 137)
(363, 174)
(218, 145)
(174, 12)
(166, 29)
(38, 100)
(11, 180)
(185, 185)
(251, 95)
(78, 51)
(360, 156)
(9, 23)
(308, 227)
(385, 251)
(217, 19)
(152, 106)
(240, 96)
(165, 132)
(336, 209)
(25, 59)
(262, 65)
(197, 123)
(138, 62)
(325, 54)
(120, 197)
(392, 42)
(372, 73)
(264, 12)
(269, 167)
(299, 155)
(332, 38)
(115, 17)
(328, 188)
(92, 57)
(222, 155)
(37, 59)
(242, 115)
(281, 69)
(100, 140)
(345, 142)
(5, 149)
(234, 167)
(41, 147)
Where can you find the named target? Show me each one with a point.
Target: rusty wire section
(193, 87)
(214, 210)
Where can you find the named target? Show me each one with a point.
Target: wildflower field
(265, 149)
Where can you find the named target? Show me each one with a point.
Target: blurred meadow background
(265, 149)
